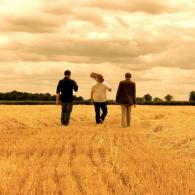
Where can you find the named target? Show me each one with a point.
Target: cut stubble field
(156, 155)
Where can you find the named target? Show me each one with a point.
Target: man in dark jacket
(64, 96)
(126, 97)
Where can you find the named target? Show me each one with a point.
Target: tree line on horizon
(47, 97)
(167, 98)
(25, 96)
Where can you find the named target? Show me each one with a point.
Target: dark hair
(128, 75)
(67, 73)
(100, 79)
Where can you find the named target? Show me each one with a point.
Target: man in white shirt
(98, 96)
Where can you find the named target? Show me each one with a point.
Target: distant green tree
(78, 98)
(192, 96)
(53, 98)
(139, 100)
(2, 96)
(157, 99)
(168, 98)
(147, 98)
(11, 95)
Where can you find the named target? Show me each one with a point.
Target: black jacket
(126, 93)
(65, 89)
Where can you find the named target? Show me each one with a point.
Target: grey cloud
(150, 6)
(32, 23)
(97, 51)
(182, 56)
(57, 8)
(47, 22)
(137, 54)
(122, 22)
(89, 16)
(75, 12)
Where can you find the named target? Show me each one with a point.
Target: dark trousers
(66, 111)
(100, 117)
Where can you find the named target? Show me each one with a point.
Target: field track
(39, 157)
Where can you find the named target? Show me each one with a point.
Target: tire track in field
(57, 181)
(117, 171)
(105, 165)
(130, 141)
(73, 153)
(70, 135)
(91, 154)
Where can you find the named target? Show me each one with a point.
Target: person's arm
(118, 92)
(108, 87)
(92, 92)
(134, 94)
(58, 102)
(75, 87)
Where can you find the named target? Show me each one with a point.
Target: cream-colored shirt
(99, 92)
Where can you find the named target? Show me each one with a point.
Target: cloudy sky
(152, 39)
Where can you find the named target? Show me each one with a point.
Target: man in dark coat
(126, 97)
(64, 96)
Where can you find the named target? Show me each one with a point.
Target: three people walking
(126, 97)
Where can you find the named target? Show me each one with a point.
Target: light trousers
(126, 115)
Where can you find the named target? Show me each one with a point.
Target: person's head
(67, 73)
(99, 79)
(128, 75)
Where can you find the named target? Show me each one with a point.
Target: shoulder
(94, 84)
(60, 81)
(105, 84)
(122, 82)
(72, 81)
(133, 83)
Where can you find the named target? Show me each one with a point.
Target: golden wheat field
(156, 155)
